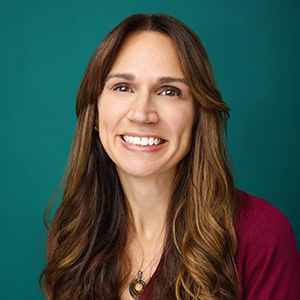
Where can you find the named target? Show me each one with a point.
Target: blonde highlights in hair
(89, 230)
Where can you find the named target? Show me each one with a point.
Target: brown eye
(122, 88)
(171, 92)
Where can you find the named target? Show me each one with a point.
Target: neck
(148, 200)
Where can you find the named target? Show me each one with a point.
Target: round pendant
(136, 287)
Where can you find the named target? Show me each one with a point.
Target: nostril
(143, 116)
(142, 109)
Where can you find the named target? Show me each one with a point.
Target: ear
(96, 121)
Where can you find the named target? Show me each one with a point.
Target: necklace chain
(155, 254)
(138, 285)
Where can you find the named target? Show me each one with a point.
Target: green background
(254, 47)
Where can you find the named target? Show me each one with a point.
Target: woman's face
(146, 110)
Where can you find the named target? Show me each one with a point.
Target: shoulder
(259, 217)
(268, 259)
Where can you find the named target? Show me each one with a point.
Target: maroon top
(268, 260)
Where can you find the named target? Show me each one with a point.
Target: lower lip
(136, 148)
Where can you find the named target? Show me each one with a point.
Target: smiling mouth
(142, 141)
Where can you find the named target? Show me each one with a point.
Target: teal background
(254, 47)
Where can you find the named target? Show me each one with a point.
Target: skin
(145, 95)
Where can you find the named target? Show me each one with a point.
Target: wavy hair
(89, 231)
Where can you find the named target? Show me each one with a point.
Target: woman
(149, 208)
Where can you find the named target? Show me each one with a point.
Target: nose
(142, 109)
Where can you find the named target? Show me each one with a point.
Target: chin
(137, 172)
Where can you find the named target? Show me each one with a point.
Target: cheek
(110, 116)
(102, 121)
(183, 120)
(105, 115)
(111, 110)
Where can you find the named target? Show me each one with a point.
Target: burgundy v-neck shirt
(268, 260)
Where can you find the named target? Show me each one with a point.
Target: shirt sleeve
(268, 260)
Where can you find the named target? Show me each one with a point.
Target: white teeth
(151, 141)
(143, 141)
(136, 140)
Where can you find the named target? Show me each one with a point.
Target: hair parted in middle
(89, 230)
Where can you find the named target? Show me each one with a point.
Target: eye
(170, 91)
(123, 88)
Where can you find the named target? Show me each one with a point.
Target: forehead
(148, 49)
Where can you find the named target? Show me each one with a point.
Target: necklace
(138, 285)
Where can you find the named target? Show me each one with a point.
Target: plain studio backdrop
(45, 46)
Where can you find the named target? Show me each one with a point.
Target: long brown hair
(89, 230)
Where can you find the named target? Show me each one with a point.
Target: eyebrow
(171, 79)
(126, 76)
(131, 77)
